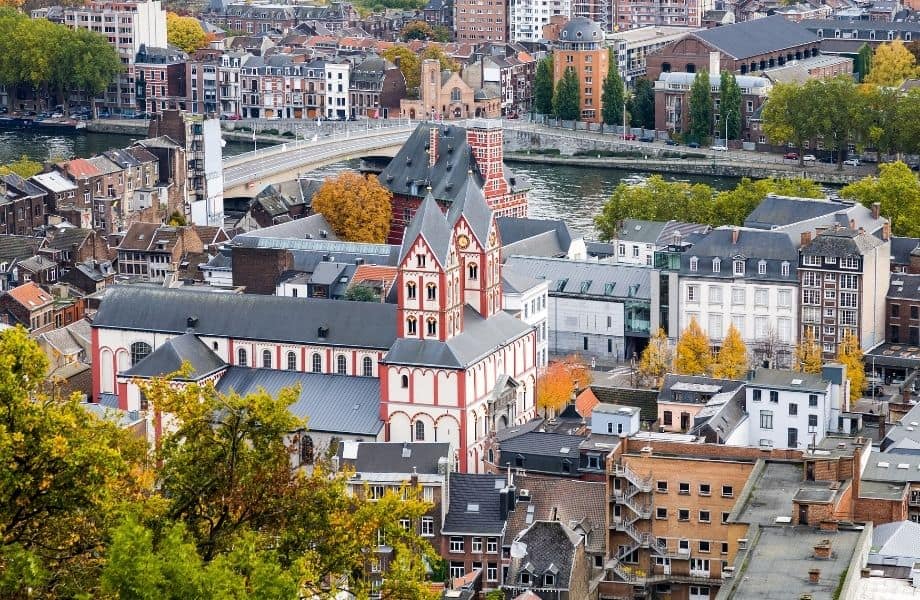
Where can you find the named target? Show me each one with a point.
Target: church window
(266, 359)
(420, 261)
(368, 366)
(455, 95)
(405, 381)
(317, 363)
(473, 271)
(410, 290)
(241, 358)
(341, 365)
(432, 290)
(432, 326)
(419, 431)
(411, 324)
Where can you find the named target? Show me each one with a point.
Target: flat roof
(777, 567)
(646, 34)
(881, 489)
(885, 588)
(773, 493)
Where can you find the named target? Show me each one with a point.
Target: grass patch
(839, 589)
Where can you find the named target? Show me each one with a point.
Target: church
(441, 361)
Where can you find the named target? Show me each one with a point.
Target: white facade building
(337, 84)
(633, 45)
(526, 18)
(528, 297)
(636, 242)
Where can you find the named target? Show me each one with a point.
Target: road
(277, 159)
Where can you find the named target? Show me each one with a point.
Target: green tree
(729, 106)
(879, 125)
(731, 207)
(543, 86)
(567, 98)
(656, 200)
(700, 108)
(897, 189)
(863, 62)
(789, 115)
(441, 34)
(641, 105)
(892, 63)
(177, 219)
(416, 30)
(907, 122)
(362, 293)
(25, 167)
(612, 96)
(840, 113)
(732, 359)
(692, 354)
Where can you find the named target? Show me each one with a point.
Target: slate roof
(901, 248)
(896, 540)
(638, 230)
(904, 286)
(517, 229)
(37, 263)
(470, 203)
(841, 242)
(249, 316)
(429, 223)
(480, 338)
(892, 467)
(587, 279)
(22, 187)
(581, 29)
(70, 340)
(171, 355)
(544, 443)
(776, 211)
(753, 245)
(65, 238)
(760, 36)
(551, 548)
(481, 490)
(689, 383)
(54, 182)
(785, 379)
(337, 404)
(14, 247)
(393, 457)
(517, 283)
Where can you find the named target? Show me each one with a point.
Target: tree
(408, 62)
(850, 354)
(731, 207)
(177, 219)
(185, 33)
(362, 293)
(808, 355)
(567, 99)
(578, 371)
(612, 96)
(642, 105)
(437, 53)
(730, 105)
(441, 34)
(897, 189)
(554, 388)
(863, 63)
(879, 127)
(416, 30)
(64, 473)
(732, 360)
(841, 112)
(700, 107)
(543, 87)
(891, 64)
(24, 167)
(657, 200)
(357, 207)
(692, 354)
(788, 115)
(656, 358)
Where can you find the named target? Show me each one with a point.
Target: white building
(527, 297)
(633, 45)
(636, 241)
(526, 18)
(794, 410)
(337, 84)
(613, 419)
(746, 278)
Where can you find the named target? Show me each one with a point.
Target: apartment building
(632, 46)
(526, 18)
(478, 21)
(527, 297)
(160, 79)
(22, 205)
(581, 47)
(375, 88)
(674, 13)
(844, 277)
(636, 241)
(903, 309)
(337, 89)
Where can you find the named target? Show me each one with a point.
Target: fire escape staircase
(639, 510)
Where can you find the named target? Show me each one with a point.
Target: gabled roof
(600, 281)
(81, 168)
(30, 296)
(470, 203)
(550, 548)
(841, 242)
(760, 36)
(37, 263)
(474, 504)
(14, 247)
(517, 283)
(392, 457)
(898, 540)
(777, 211)
(22, 186)
(429, 223)
(54, 182)
(543, 443)
(173, 353)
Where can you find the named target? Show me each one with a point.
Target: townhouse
(636, 241)
(28, 305)
(22, 205)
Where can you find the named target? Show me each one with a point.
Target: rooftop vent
(322, 332)
(796, 382)
(883, 465)
(472, 508)
(406, 450)
(191, 322)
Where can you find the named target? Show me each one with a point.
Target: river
(573, 193)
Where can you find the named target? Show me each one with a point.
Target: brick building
(477, 22)
(28, 305)
(581, 47)
(22, 205)
(153, 252)
(903, 309)
(445, 95)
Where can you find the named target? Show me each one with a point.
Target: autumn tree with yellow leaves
(692, 354)
(808, 357)
(850, 354)
(185, 32)
(559, 381)
(732, 360)
(357, 207)
(892, 63)
(656, 359)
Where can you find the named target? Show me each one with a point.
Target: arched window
(292, 361)
(432, 291)
(266, 359)
(242, 358)
(306, 450)
(139, 351)
(317, 363)
(405, 381)
(473, 271)
(341, 365)
(419, 431)
(410, 290)
(431, 77)
(455, 95)
(716, 265)
(694, 263)
(432, 326)
(411, 324)
(368, 366)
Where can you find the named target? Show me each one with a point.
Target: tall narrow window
(266, 359)
(242, 359)
(292, 361)
(404, 380)
(410, 290)
(432, 291)
(411, 324)
(419, 431)
(432, 326)
(317, 363)
(306, 450)
(368, 366)
(341, 365)
(473, 271)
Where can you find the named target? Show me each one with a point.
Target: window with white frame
(784, 330)
(715, 294)
(811, 279)
(477, 544)
(428, 526)
(456, 543)
(492, 545)
(694, 264)
(812, 297)
(717, 265)
(762, 267)
(693, 293)
(848, 300)
(738, 268)
(738, 322)
(849, 281)
(715, 326)
(761, 297)
(849, 262)
(492, 572)
(738, 295)
(760, 327)
(784, 269)
(784, 298)
(766, 419)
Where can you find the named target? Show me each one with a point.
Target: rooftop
(789, 380)
(761, 36)
(391, 457)
(772, 494)
(584, 278)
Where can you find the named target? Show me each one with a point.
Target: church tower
(430, 298)
(485, 139)
(478, 246)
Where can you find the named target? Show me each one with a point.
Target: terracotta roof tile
(81, 168)
(30, 295)
(586, 402)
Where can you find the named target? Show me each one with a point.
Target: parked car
(671, 142)
(853, 162)
(719, 148)
(809, 158)
(693, 145)
(629, 136)
(791, 155)
(647, 138)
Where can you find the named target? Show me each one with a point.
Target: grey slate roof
(587, 279)
(898, 540)
(249, 316)
(544, 444)
(786, 379)
(329, 403)
(470, 203)
(904, 286)
(776, 211)
(172, 353)
(760, 36)
(753, 245)
(393, 457)
(551, 548)
(517, 283)
(18, 246)
(481, 490)
(429, 223)
(667, 392)
(581, 29)
(842, 242)
(901, 247)
(892, 467)
(480, 337)
(517, 229)
(638, 230)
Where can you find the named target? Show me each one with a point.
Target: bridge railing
(321, 136)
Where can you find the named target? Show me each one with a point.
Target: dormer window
(739, 267)
(525, 578)
(694, 264)
(549, 580)
(717, 265)
(784, 269)
(762, 267)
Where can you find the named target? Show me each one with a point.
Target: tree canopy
(891, 64)
(700, 126)
(729, 106)
(543, 86)
(613, 93)
(732, 359)
(692, 355)
(567, 97)
(185, 32)
(656, 359)
(850, 354)
(897, 189)
(808, 355)
(25, 167)
(641, 105)
(357, 207)
(410, 63)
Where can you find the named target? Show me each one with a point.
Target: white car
(719, 148)
(809, 158)
(853, 162)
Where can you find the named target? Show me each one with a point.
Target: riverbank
(697, 167)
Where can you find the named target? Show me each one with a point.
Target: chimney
(819, 230)
(806, 238)
(886, 231)
(814, 575)
(852, 223)
(823, 550)
(876, 209)
(735, 233)
(861, 230)
(432, 145)
(503, 504)
(413, 479)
